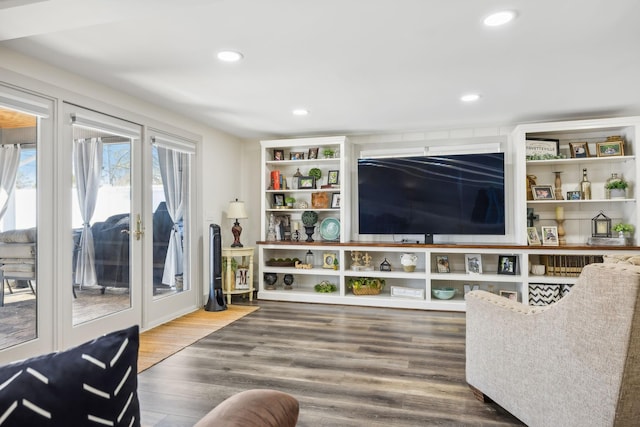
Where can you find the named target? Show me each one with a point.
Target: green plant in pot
(366, 285)
(623, 229)
(309, 219)
(234, 267)
(289, 201)
(316, 173)
(617, 188)
(328, 153)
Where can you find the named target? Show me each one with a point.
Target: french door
(103, 213)
(130, 226)
(102, 158)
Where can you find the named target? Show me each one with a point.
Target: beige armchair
(572, 363)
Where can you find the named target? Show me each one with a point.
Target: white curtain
(9, 162)
(87, 156)
(171, 171)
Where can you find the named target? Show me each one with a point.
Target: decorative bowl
(443, 293)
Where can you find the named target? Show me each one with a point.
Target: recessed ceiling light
(300, 112)
(499, 18)
(229, 56)
(470, 97)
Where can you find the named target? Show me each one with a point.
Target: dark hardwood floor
(347, 366)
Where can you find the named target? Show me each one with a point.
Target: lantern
(601, 225)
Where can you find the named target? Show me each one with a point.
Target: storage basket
(365, 290)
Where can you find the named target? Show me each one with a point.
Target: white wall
(219, 154)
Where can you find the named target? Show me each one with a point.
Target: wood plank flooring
(347, 366)
(162, 341)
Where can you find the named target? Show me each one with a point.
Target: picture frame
(533, 238)
(579, 150)
(278, 200)
(296, 155)
(473, 263)
(328, 259)
(507, 264)
(574, 195)
(550, 236)
(332, 177)
(313, 153)
(278, 154)
(512, 295)
(335, 201)
(542, 192)
(541, 147)
(610, 148)
(306, 182)
(282, 224)
(442, 264)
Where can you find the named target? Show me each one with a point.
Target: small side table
(247, 260)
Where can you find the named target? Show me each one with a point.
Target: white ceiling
(358, 66)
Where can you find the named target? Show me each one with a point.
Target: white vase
(408, 261)
(617, 193)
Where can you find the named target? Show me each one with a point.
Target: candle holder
(558, 187)
(561, 232)
(560, 221)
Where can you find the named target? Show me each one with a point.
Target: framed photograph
(278, 154)
(579, 150)
(306, 182)
(512, 295)
(442, 264)
(550, 236)
(541, 147)
(313, 153)
(335, 200)
(532, 236)
(507, 264)
(282, 227)
(296, 155)
(542, 192)
(610, 148)
(278, 200)
(332, 177)
(473, 263)
(328, 259)
(574, 195)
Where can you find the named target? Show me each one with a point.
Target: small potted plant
(617, 188)
(328, 153)
(289, 201)
(234, 267)
(316, 173)
(623, 229)
(366, 285)
(309, 219)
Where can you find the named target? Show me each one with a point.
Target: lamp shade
(236, 210)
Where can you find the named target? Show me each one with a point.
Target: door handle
(139, 228)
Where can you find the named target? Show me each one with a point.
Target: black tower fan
(216, 297)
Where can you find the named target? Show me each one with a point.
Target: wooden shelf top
(450, 245)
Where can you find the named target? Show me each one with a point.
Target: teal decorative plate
(330, 229)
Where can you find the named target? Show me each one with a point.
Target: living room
(524, 77)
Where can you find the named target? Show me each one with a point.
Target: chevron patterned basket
(544, 294)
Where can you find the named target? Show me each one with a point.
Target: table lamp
(237, 211)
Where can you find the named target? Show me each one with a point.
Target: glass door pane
(18, 216)
(101, 223)
(171, 212)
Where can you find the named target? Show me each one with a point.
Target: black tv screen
(449, 194)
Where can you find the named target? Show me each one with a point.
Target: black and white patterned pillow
(94, 384)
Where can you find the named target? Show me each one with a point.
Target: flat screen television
(448, 194)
